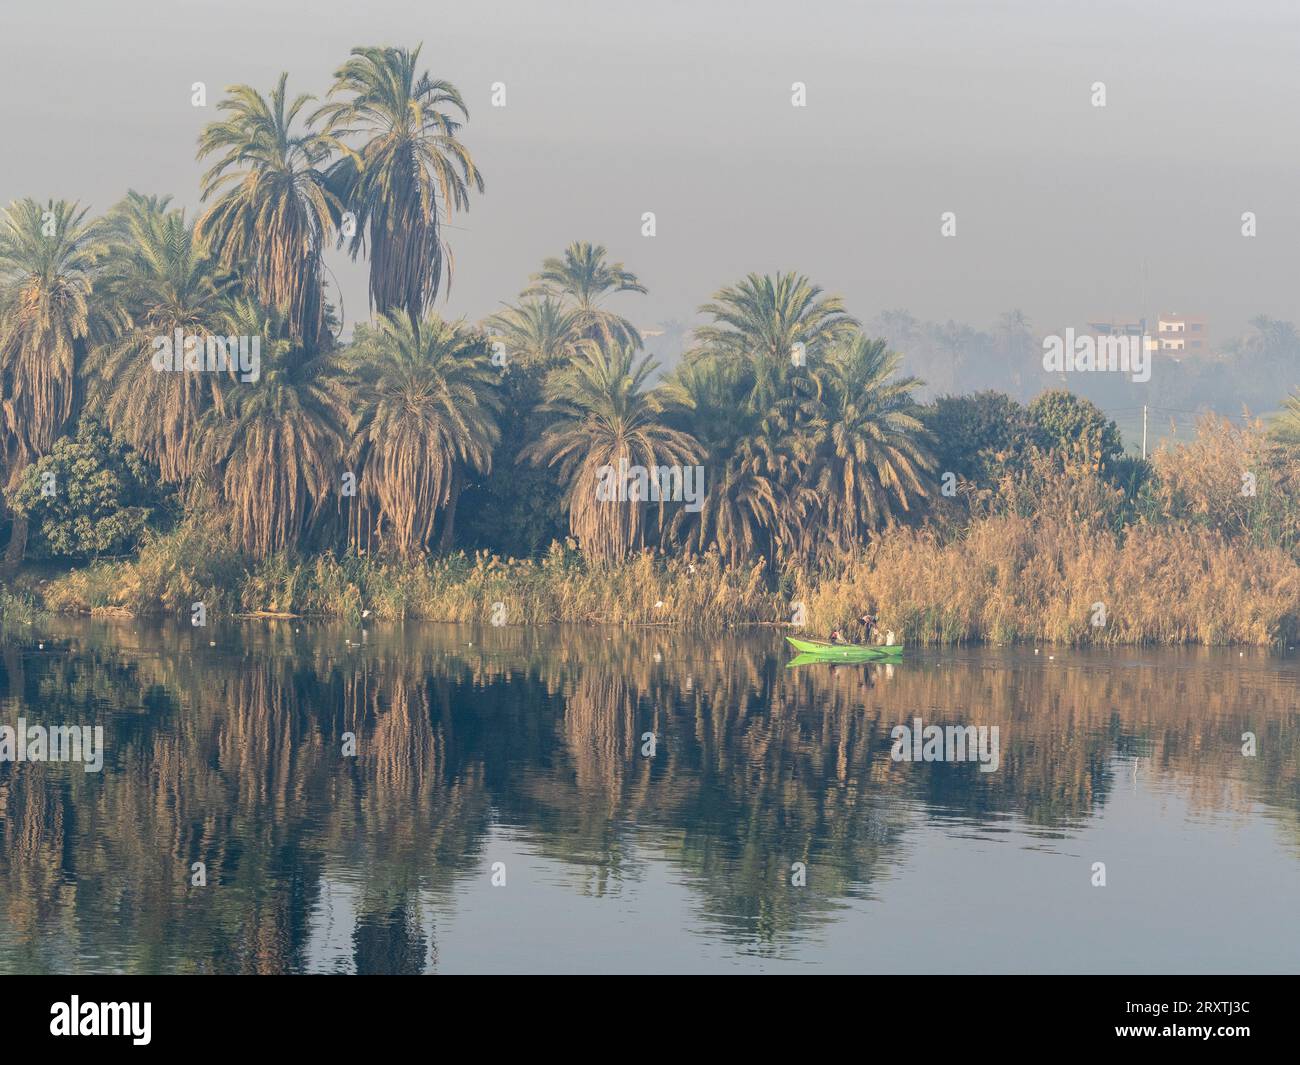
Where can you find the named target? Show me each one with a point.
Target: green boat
(860, 652)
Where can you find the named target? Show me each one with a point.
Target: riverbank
(1005, 579)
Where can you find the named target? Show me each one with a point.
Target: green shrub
(91, 495)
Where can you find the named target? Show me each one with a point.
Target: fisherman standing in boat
(868, 623)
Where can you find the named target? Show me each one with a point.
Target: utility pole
(1144, 430)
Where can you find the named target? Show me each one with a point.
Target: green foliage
(807, 428)
(17, 608)
(980, 437)
(92, 495)
(517, 510)
(1073, 425)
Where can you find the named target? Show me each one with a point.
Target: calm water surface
(477, 746)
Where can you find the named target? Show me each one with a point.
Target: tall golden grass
(1012, 578)
(1008, 578)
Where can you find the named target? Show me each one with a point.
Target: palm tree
(955, 341)
(605, 416)
(411, 167)
(429, 411)
(768, 334)
(1272, 335)
(756, 503)
(582, 279)
(49, 261)
(873, 459)
(537, 333)
(160, 278)
(272, 212)
(274, 450)
(758, 322)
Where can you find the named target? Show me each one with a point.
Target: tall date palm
(537, 333)
(271, 212)
(605, 415)
(873, 460)
(763, 324)
(429, 405)
(407, 179)
(160, 279)
(50, 258)
(274, 451)
(582, 278)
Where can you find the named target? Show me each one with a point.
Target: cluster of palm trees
(806, 434)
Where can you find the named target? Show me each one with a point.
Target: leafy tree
(979, 437)
(537, 334)
(766, 337)
(757, 324)
(159, 279)
(517, 510)
(91, 495)
(273, 452)
(1072, 425)
(749, 508)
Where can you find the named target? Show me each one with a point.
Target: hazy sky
(683, 108)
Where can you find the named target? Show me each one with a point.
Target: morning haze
(1064, 210)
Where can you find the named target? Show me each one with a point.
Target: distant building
(1182, 334)
(1122, 327)
(1131, 327)
(1171, 334)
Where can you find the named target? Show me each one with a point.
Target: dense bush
(91, 495)
(980, 436)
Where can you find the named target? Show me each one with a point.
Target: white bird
(659, 605)
(365, 613)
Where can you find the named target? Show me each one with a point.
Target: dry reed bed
(1007, 578)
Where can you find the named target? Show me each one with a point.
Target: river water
(294, 797)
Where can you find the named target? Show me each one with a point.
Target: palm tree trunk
(17, 545)
(448, 539)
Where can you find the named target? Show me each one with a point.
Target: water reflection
(472, 743)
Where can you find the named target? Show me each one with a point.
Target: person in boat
(868, 623)
(837, 636)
